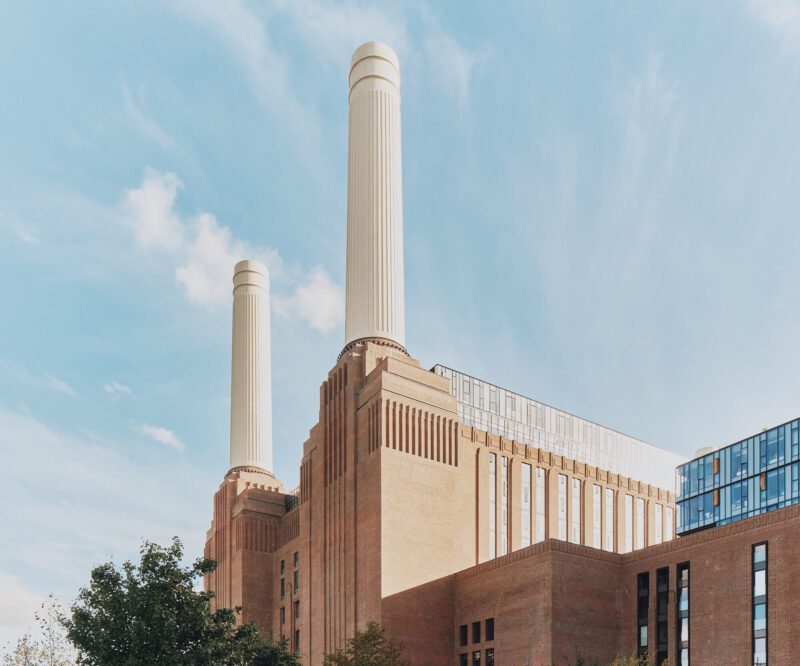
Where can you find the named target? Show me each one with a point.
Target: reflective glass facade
(511, 415)
(756, 475)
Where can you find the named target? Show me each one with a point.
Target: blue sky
(602, 211)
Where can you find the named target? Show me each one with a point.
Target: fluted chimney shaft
(375, 307)
(251, 382)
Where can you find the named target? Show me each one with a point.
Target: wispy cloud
(136, 106)
(25, 232)
(161, 435)
(783, 18)
(60, 386)
(206, 251)
(116, 389)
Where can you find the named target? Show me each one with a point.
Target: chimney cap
(375, 50)
(250, 271)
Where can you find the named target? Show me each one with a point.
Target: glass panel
(759, 617)
(683, 600)
(685, 657)
(760, 583)
(643, 636)
(760, 651)
(684, 629)
(760, 553)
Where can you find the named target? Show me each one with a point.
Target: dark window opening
(296, 582)
(476, 633)
(643, 588)
(490, 629)
(662, 607)
(297, 640)
(283, 567)
(463, 635)
(283, 588)
(283, 615)
(297, 609)
(296, 559)
(489, 656)
(476, 658)
(463, 659)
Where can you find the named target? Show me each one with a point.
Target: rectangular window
(668, 524)
(610, 519)
(575, 531)
(296, 559)
(297, 609)
(463, 635)
(525, 505)
(562, 507)
(658, 524)
(504, 507)
(492, 505)
(662, 607)
(283, 614)
(283, 567)
(683, 614)
(296, 582)
(463, 659)
(540, 504)
(760, 603)
(476, 632)
(493, 400)
(489, 656)
(643, 604)
(640, 543)
(628, 523)
(476, 658)
(283, 588)
(490, 629)
(297, 640)
(597, 534)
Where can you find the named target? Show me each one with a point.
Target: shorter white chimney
(251, 381)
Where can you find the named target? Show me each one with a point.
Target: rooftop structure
(753, 476)
(508, 414)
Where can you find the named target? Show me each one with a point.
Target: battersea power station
(480, 527)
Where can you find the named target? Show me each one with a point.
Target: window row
(464, 658)
(748, 458)
(463, 632)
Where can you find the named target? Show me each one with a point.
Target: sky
(601, 211)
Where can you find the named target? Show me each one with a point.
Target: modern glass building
(503, 412)
(756, 475)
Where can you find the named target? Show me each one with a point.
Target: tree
(368, 648)
(152, 614)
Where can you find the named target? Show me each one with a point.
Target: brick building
(478, 526)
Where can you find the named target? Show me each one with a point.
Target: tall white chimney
(251, 381)
(375, 305)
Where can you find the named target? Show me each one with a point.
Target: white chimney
(375, 306)
(251, 381)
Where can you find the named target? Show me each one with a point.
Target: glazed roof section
(503, 412)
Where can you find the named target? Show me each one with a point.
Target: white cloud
(161, 435)
(25, 232)
(115, 388)
(319, 300)
(22, 374)
(782, 17)
(205, 253)
(17, 603)
(149, 210)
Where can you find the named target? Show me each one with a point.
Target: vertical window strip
(562, 507)
(492, 504)
(525, 505)
(504, 508)
(610, 519)
(540, 503)
(682, 625)
(643, 606)
(760, 604)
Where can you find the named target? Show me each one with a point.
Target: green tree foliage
(152, 614)
(370, 647)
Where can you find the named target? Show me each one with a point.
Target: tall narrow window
(640, 523)
(596, 531)
(643, 604)
(540, 504)
(683, 614)
(504, 507)
(668, 525)
(659, 525)
(575, 519)
(610, 519)
(662, 607)
(492, 505)
(628, 523)
(525, 505)
(562, 507)
(760, 604)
